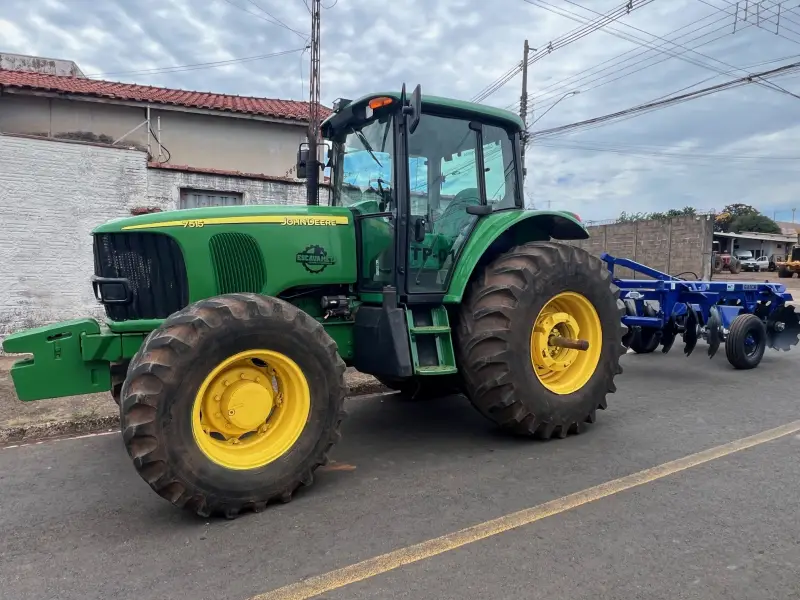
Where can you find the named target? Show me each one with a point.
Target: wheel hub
(566, 343)
(246, 405)
(547, 356)
(250, 409)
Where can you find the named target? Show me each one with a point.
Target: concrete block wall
(670, 245)
(52, 194)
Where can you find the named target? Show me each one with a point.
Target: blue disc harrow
(748, 317)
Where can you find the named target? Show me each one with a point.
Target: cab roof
(438, 104)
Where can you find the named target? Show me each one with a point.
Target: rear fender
(503, 230)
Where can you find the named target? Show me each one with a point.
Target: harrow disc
(714, 331)
(783, 328)
(690, 331)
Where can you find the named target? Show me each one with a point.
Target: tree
(754, 222)
(723, 221)
(687, 211)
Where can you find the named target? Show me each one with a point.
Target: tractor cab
(418, 174)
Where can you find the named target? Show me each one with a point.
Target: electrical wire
(195, 66)
(560, 42)
(662, 103)
(631, 38)
(271, 19)
(593, 73)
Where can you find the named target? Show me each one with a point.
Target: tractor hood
(292, 216)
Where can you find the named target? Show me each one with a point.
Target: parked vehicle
(774, 260)
(755, 264)
(723, 261)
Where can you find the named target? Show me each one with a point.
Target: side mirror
(480, 210)
(302, 161)
(413, 110)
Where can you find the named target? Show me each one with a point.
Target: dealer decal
(315, 259)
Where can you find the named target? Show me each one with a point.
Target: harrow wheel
(746, 342)
(539, 339)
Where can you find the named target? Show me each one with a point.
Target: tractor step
(431, 341)
(442, 370)
(431, 329)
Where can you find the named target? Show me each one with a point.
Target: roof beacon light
(377, 103)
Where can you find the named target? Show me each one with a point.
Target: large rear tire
(504, 319)
(232, 403)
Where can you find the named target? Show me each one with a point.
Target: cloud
(682, 155)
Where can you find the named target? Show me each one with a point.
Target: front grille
(154, 267)
(238, 263)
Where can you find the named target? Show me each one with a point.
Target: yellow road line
(377, 565)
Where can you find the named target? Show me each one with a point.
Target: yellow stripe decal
(290, 220)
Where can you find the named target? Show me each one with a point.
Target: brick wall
(164, 185)
(673, 245)
(52, 194)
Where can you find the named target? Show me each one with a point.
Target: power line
(616, 61)
(560, 42)
(632, 149)
(593, 74)
(269, 19)
(195, 66)
(628, 37)
(658, 104)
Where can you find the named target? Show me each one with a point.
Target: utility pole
(523, 106)
(313, 108)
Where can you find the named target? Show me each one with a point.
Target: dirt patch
(22, 421)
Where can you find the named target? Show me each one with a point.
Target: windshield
(364, 164)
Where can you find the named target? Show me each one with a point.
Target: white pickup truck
(751, 263)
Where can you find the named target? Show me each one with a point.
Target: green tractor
(229, 329)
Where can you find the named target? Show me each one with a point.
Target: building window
(191, 198)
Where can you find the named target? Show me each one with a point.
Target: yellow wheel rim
(566, 370)
(250, 409)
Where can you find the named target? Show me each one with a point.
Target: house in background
(77, 152)
(760, 244)
(180, 131)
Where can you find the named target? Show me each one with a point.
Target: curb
(51, 429)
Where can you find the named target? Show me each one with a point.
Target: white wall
(164, 185)
(761, 247)
(52, 194)
(198, 140)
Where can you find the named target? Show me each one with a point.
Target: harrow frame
(660, 308)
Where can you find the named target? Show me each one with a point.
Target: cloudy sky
(739, 145)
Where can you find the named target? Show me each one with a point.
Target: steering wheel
(383, 193)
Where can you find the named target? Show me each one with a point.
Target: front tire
(232, 403)
(504, 317)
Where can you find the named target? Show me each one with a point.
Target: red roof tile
(268, 107)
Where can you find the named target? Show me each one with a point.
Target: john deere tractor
(228, 329)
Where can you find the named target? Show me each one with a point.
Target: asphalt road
(78, 523)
